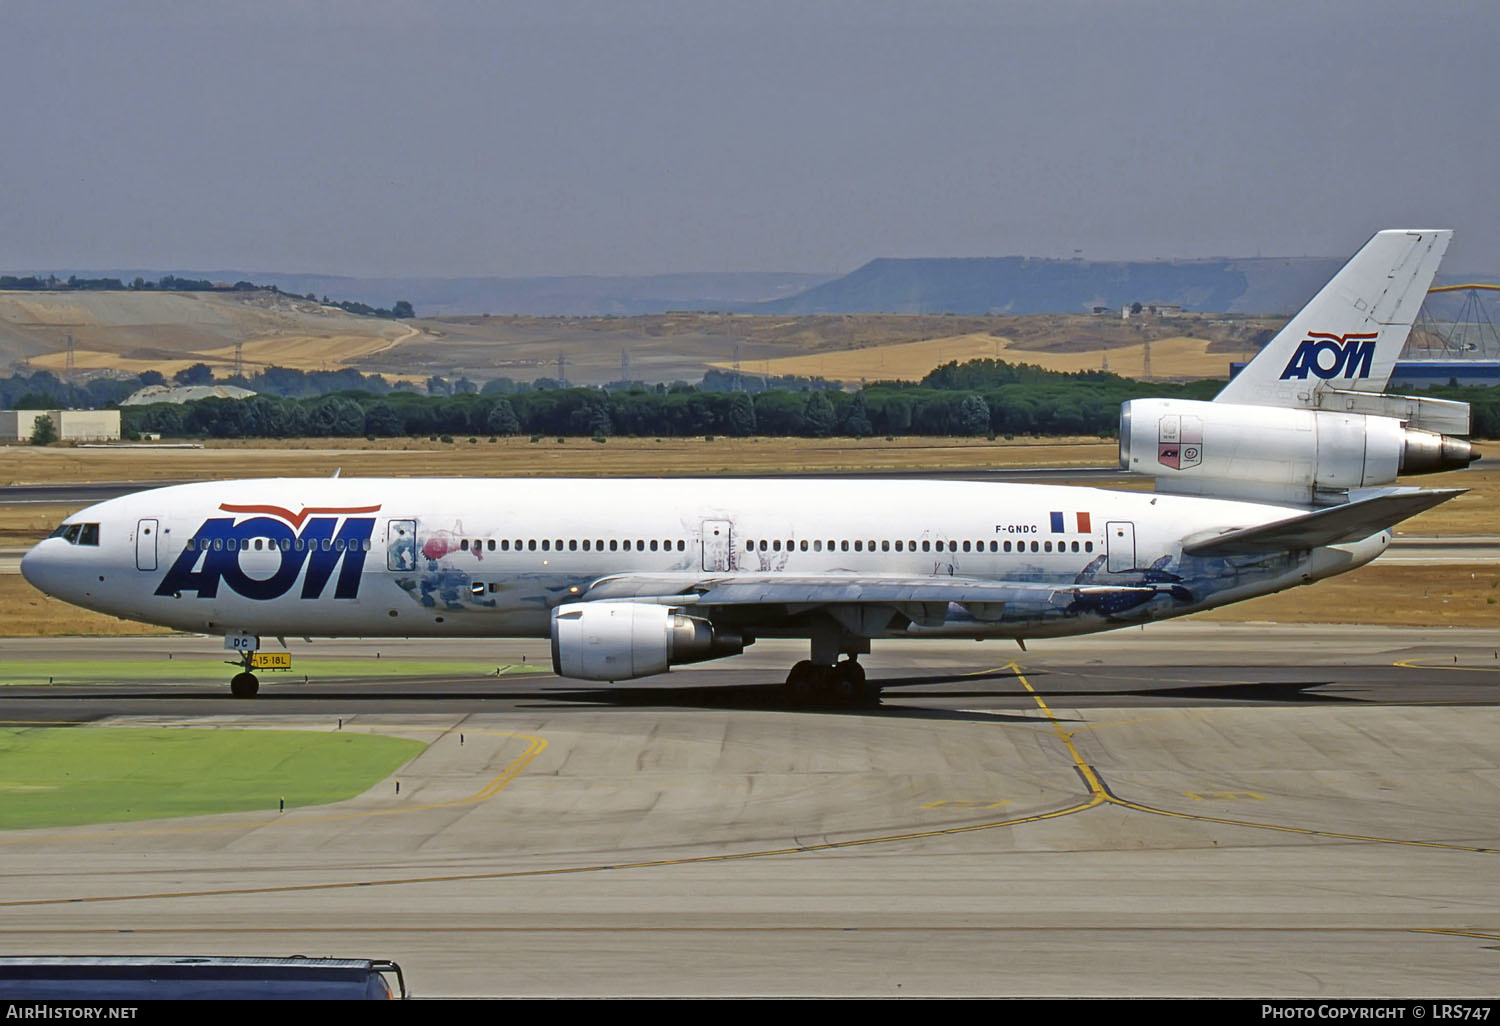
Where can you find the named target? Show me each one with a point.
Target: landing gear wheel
(244, 685)
(804, 680)
(848, 682)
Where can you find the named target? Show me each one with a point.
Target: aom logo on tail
(262, 557)
(1325, 356)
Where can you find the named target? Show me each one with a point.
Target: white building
(68, 425)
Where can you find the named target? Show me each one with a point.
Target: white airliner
(1280, 481)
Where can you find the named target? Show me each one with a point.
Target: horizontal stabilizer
(1350, 522)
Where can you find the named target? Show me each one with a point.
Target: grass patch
(68, 776)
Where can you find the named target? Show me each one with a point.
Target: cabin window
(492, 545)
(1035, 547)
(898, 544)
(546, 545)
(1047, 546)
(818, 545)
(966, 545)
(776, 545)
(464, 545)
(1007, 546)
(572, 544)
(1088, 546)
(653, 544)
(531, 544)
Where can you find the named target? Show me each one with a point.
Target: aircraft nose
(40, 571)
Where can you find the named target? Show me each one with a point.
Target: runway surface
(1190, 809)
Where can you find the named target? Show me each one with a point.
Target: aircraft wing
(792, 593)
(1349, 522)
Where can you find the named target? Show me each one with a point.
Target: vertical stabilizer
(1349, 335)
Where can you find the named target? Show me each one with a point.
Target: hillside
(166, 331)
(134, 331)
(1021, 285)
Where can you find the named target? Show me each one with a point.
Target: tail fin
(1349, 335)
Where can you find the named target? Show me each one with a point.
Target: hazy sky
(618, 137)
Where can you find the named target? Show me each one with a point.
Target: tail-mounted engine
(1277, 454)
(624, 640)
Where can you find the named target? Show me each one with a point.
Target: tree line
(978, 398)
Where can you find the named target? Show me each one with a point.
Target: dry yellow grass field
(1176, 357)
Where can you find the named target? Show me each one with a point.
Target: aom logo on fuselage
(263, 556)
(1326, 356)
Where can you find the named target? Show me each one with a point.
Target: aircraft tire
(802, 682)
(244, 685)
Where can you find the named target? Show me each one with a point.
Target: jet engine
(624, 640)
(1280, 454)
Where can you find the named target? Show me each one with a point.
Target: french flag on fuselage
(1059, 523)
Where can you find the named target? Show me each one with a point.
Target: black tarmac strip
(949, 694)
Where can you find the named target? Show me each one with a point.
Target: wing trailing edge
(1349, 522)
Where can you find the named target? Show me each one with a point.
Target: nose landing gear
(243, 684)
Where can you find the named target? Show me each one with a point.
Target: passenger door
(145, 545)
(401, 545)
(718, 546)
(1120, 538)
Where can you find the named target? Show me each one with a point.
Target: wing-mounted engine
(1283, 454)
(625, 640)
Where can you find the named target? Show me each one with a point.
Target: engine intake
(624, 640)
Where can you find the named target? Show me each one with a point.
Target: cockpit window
(77, 534)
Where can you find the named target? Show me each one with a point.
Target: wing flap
(1349, 522)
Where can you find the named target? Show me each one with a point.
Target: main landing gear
(842, 684)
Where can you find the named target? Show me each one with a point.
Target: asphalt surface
(1189, 809)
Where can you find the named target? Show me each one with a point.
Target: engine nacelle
(624, 640)
(1275, 453)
